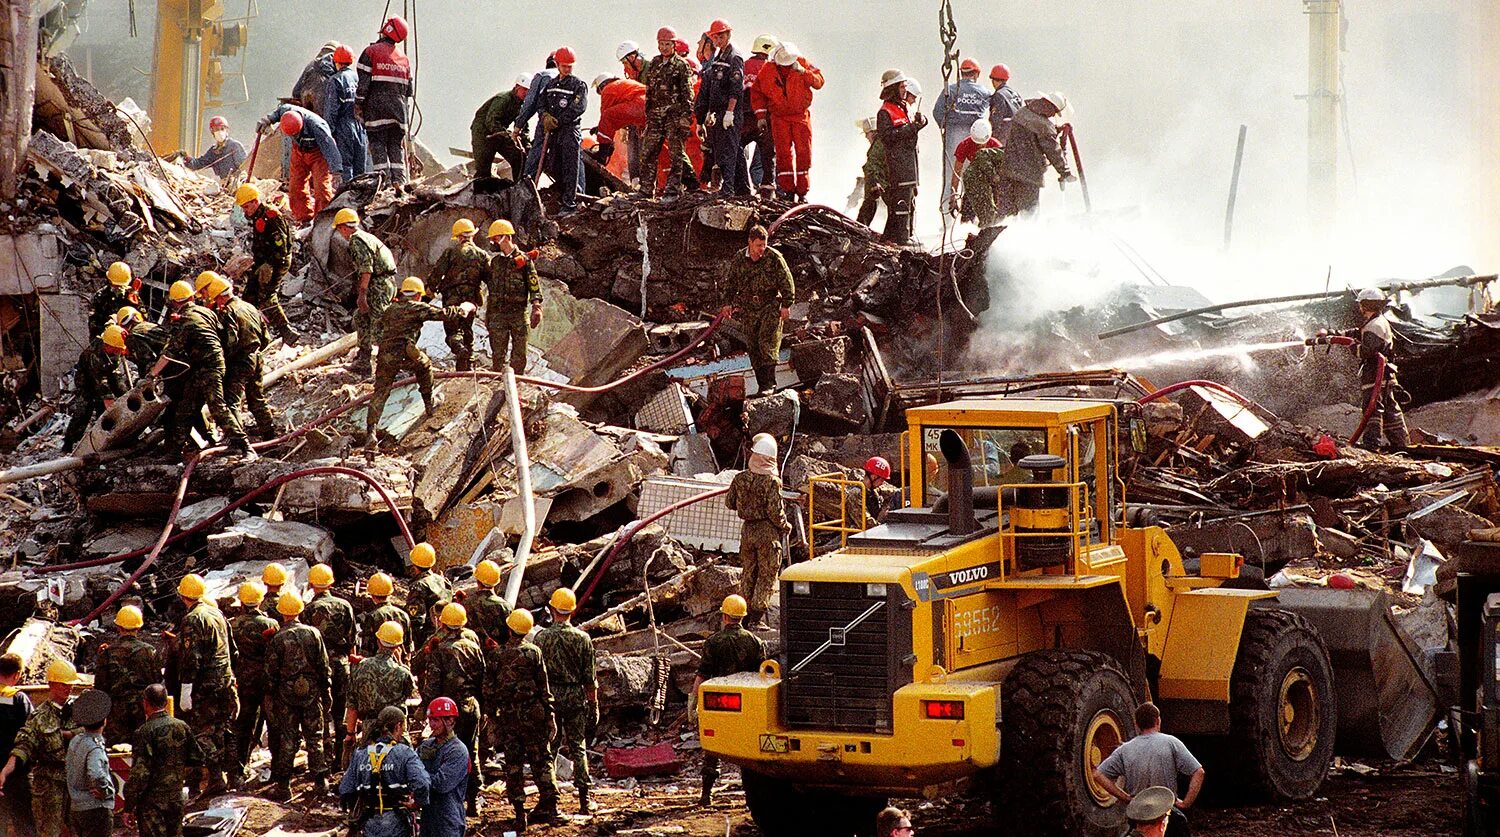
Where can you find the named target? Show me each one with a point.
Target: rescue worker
(274, 577)
(1004, 102)
(197, 355)
(162, 752)
(1031, 144)
(1376, 348)
(516, 689)
(955, 110)
(143, 341)
(628, 53)
(720, 107)
(42, 746)
(454, 668)
(756, 494)
(400, 326)
(569, 656)
(382, 99)
(126, 665)
(874, 178)
(669, 114)
(561, 105)
(376, 269)
(209, 698)
(976, 164)
(757, 130)
(539, 83)
(309, 87)
(385, 780)
(378, 682)
(487, 609)
(245, 335)
(380, 587)
(512, 283)
(622, 107)
(784, 89)
(225, 156)
(427, 588)
(101, 377)
(730, 651)
(91, 785)
(897, 128)
(15, 708)
(252, 630)
(877, 496)
(337, 109)
(492, 131)
(333, 616)
(298, 660)
(447, 762)
(317, 167)
(764, 292)
(271, 243)
(458, 275)
(121, 289)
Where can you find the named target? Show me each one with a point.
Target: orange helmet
(395, 28)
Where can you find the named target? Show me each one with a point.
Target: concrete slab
(271, 540)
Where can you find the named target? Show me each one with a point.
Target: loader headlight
(801, 588)
(875, 591)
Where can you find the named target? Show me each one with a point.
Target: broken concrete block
(1448, 526)
(775, 414)
(193, 514)
(816, 358)
(120, 540)
(624, 681)
(672, 337)
(124, 420)
(605, 341)
(841, 399)
(693, 454)
(271, 540)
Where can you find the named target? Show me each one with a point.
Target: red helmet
(343, 55)
(666, 33)
(442, 707)
(291, 123)
(565, 55)
(682, 47)
(395, 28)
(718, 27)
(1000, 72)
(218, 123)
(877, 466)
(968, 65)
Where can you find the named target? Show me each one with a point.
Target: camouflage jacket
(371, 620)
(205, 648)
(252, 632)
(41, 742)
(401, 323)
(515, 685)
(731, 651)
(271, 239)
(377, 682)
(298, 665)
(569, 654)
(669, 88)
(162, 752)
(145, 342)
(511, 285)
(126, 665)
(334, 618)
(487, 614)
(428, 589)
(761, 286)
(107, 302)
(370, 255)
(462, 266)
(454, 667)
(99, 374)
(194, 340)
(243, 330)
(757, 497)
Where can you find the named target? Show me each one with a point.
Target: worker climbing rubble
(317, 168)
(1031, 145)
(271, 243)
(458, 277)
(763, 291)
(493, 131)
(400, 324)
(375, 272)
(513, 303)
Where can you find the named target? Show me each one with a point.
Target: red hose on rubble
(636, 528)
(798, 210)
(1374, 398)
(1213, 385)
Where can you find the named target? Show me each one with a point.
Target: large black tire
(780, 809)
(1062, 712)
(1282, 665)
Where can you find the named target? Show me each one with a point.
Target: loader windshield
(995, 452)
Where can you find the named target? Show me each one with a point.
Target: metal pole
(1234, 187)
(523, 481)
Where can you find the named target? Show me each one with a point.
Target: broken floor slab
(271, 540)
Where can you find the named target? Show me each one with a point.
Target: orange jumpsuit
(786, 94)
(622, 105)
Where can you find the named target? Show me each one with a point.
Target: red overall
(786, 95)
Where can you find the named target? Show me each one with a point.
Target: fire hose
(1380, 378)
(635, 528)
(1213, 385)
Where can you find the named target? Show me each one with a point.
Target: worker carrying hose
(1379, 388)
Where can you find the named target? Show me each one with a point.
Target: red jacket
(784, 92)
(622, 104)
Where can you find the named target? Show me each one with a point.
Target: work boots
(583, 802)
(520, 820)
(241, 448)
(320, 784)
(215, 784)
(462, 364)
(545, 811)
(363, 364)
(284, 331)
(280, 791)
(706, 798)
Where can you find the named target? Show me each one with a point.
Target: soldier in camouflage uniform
(101, 378)
(763, 292)
(569, 654)
(375, 283)
(164, 750)
(427, 589)
(297, 659)
(143, 341)
(454, 668)
(876, 179)
(512, 283)
(458, 275)
(333, 616)
(380, 587)
(210, 701)
(669, 114)
(271, 241)
(982, 187)
(197, 357)
(515, 688)
(487, 610)
(126, 665)
(122, 290)
(245, 335)
(730, 651)
(252, 630)
(400, 326)
(42, 744)
(756, 494)
(378, 682)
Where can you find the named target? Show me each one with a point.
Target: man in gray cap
(91, 787)
(1149, 811)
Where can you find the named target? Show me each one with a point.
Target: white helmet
(522, 80)
(980, 132)
(786, 54)
(1370, 295)
(1058, 100)
(764, 444)
(765, 44)
(601, 80)
(625, 48)
(913, 87)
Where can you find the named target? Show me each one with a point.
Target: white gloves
(187, 697)
(711, 120)
(729, 119)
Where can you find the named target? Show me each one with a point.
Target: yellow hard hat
(563, 600)
(501, 227)
(245, 194)
(289, 603)
(390, 633)
(487, 573)
(320, 576)
(345, 216)
(211, 285)
(180, 291)
(61, 671)
(423, 555)
(380, 585)
(520, 621)
(119, 274)
(191, 586)
(454, 615)
(128, 316)
(413, 285)
(734, 605)
(273, 574)
(463, 226)
(251, 594)
(113, 336)
(129, 618)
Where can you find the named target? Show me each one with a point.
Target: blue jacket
(224, 159)
(1003, 106)
(400, 772)
(448, 767)
(723, 79)
(314, 136)
(970, 102)
(534, 93)
(348, 132)
(566, 98)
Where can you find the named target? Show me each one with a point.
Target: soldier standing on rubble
(163, 751)
(378, 682)
(42, 745)
(569, 655)
(143, 341)
(122, 289)
(194, 345)
(333, 616)
(763, 291)
(273, 576)
(730, 651)
(516, 689)
(875, 180)
(380, 588)
(385, 781)
(454, 668)
(297, 659)
(244, 333)
(669, 115)
(487, 610)
(400, 326)
(756, 494)
(375, 269)
(512, 283)
(252, 630)
(100, 379)
(210, 700)
(1376, 348)
(126, 666)
(427, 588)
(458, 275)
(271, 254)
(491, 132)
